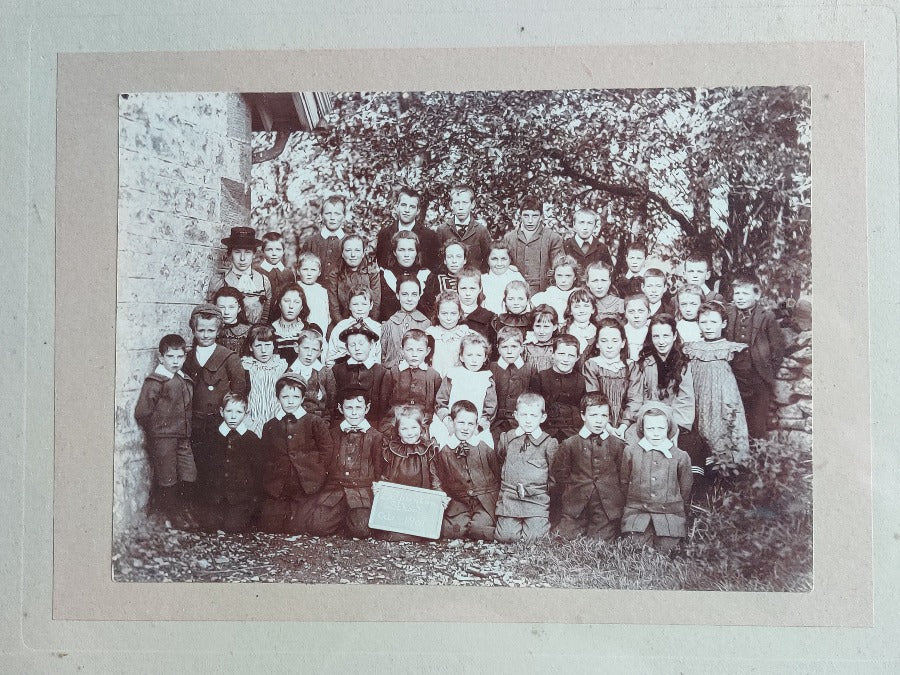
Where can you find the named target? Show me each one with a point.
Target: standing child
(326, 243)
(585, 245)
(359, 369)
(234, 330)
(263, 368)
(598, 279)
(579, 319)
(346, 500)
(750, 323)
(453, 260)
(500, 272)
(360, 307)
(297, 446)
(516, 307)
(293, 321)
(447, 332)
(321, 387)
(236, 466)
(697, 271)
(565, 272)
(720, 412)
(253, 285)
(309, 269)
(407, 264)
(353, 270)
(654, 288)
(539, 340)
(468, 471)
(637, 313)
(562, 388)
(656, 481)
(629, 283)
(409, 292)
(607, 373)
(523, 508)
(471, 381)
(464, 226)
(164, 413)
(689, 300)
(274, 268)
(474, 315)
(586, 468)
(533, 246)
(410, 382)
(512, 377)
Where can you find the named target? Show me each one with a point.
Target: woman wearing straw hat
(253, 285)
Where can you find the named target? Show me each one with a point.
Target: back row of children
(431, 365)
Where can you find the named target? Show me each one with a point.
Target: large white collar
(266, 266)
(536, 434)
(403, 365)
(328, 234)
(240, 428)
(664, 446)
(362, 426)
(161, 370)
(504, 364)
(585, 433)
(280, 413)
(306, 371)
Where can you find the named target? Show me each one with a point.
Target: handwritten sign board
(407, 510)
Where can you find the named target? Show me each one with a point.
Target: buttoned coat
(657, 490)
(429, 246)
(296, 459)
(529, 466)
(597, 252)
(340, 283)
(534, 257)
(767, 343)
(412, 386)
(582, 466)
(350, 474)
(475, 238)
(221, 373)
(475, 476)
(164, 408)
(510, 382)
(236, 464)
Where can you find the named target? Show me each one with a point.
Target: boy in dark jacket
(562, 387)
(512, 377)
(586, 469)
(164, 412)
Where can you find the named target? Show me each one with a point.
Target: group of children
(517, 376)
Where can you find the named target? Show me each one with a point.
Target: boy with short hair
(523, 507)
(273, 267)
(475, 316)
(512, 377)
(321, 386)
(411, 382)
(346, 500)
(359, 370)
(236, 465)
(297, 445)
(215, 371)
(754, 368)
(585, 244)
(164, 413)
(326, 243)
(697, 271)
(629, 283)
(468, 471)
(654, 287)
(309, 271)
(361, 306)
(586, 468)
(598, 280)
(463, 226)
(532, 246)
(409, 293)
(407, 210)
(234, 331)
(562, 387)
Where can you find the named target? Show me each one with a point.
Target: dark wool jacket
(534, 258)
(429, 246)
(562, 396)
(341, 282)
(353, 464)
(481, 320)
(296, 456)
(584, 465)
(356, 376)
(473, 478)
(510, 382)
(767, 343)
(222, 373)
(412, 386)
(328, 251)
(236, 466)
(475, 238)
(596, 252)
(164, 406)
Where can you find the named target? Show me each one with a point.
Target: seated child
(353, 270)
(637, 314)
(689, 300)
(321, 387)
(512, 377)
(516, 307)
(234, 329)
(629, 283)
(359, 369)
(697, 270)
(294, 320)
(565, 272)
(360, 306)
(561, 387)
(309, 270)
(468, 471)
(164, 413)
(346, 500)
(523, 507)
(656, 481)
(409, 292)
(471, 381)
(447, 332)
(605, 372)
(585, 245)
(598, 279)
(474, 315)
(586, 468)
(274, 268)
(500, 273)
(580, 317)
(254, 286)
(539, 340)
(410, 382)
(236, 466)
(654, 288)
(297, 446)
(263, 368)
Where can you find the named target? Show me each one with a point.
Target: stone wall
(184, 172)
(792, 400)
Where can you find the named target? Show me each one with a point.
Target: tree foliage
(723, 170)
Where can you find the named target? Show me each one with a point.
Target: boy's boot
(184, 508)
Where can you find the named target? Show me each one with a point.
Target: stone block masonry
(184, 181)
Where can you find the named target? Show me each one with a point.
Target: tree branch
(281, 139)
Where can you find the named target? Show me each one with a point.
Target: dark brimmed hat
(357, 328)
(242, 237)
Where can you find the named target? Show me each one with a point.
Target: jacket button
(210, 387)
(290, 436)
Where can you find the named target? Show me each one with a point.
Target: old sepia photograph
(523, 338)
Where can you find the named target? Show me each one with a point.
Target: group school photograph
(556, 338)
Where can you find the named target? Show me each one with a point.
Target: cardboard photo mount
(88, 90)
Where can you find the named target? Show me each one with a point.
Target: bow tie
(462, 450)
(355, 430)
(289, 417)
